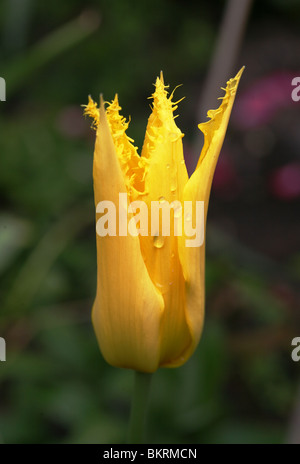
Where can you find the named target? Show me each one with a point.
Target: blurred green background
(241, 385)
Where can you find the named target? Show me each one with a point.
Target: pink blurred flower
(284, 182)
(263, 100)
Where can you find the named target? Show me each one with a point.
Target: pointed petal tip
(238, 76)
(232, 84)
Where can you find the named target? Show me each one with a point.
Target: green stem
(139, 407)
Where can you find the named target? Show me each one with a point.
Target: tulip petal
(128, 307)
(198, 189)
(165, 178)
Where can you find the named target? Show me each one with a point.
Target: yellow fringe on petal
(210, 127)
(92, 111)
(161, 122)
(132, 165)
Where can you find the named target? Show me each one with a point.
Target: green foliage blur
(241, 384)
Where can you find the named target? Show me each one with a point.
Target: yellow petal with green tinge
(149, 307)
(198, 189)
(128, 308)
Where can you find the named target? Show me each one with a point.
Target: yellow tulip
(149, 306)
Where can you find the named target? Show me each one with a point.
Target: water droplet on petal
(163, 288)
(168, 166)
(161, 199)
(177, 211)
(174, 136)
(158, 241)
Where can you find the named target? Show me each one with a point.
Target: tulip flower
(149, 307)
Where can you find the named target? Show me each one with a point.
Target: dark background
(241, 384)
